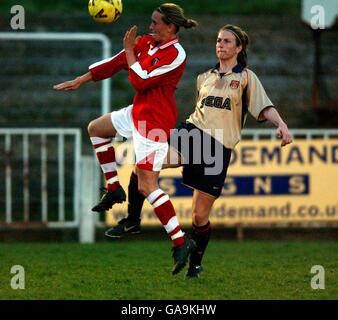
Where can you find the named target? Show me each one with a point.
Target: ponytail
(189, 23)
(172, 13)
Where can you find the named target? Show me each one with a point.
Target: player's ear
(239, 49)
(171, 28)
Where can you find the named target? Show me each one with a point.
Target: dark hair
(173, 13)
(242, 39)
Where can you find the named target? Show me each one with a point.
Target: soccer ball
(105, 11)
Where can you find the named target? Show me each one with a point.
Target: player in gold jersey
(203, 144)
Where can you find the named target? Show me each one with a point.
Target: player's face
(161, 32)
(226, 47)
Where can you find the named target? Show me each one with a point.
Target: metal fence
(41, 176)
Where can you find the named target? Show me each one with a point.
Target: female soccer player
(225, 94)
(155, 64)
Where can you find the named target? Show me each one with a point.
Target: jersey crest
(155, 61)
(234, 84)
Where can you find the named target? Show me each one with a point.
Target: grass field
(141, 270)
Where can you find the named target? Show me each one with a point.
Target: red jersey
(154, 75)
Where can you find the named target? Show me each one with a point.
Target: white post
(89, 186)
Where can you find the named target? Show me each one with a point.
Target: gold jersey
(223, 102)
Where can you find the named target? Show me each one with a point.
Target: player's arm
(261, 107)
(74, 84)
(107, 68)
(282, 132)
(98, 71)
(103, 69)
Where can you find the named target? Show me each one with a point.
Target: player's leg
(164, 210)
(131, 224)
(207, 180)
(101, 132)
(201, 230)
(150, 156)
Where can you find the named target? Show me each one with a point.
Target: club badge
(234, 84)
(154, 61)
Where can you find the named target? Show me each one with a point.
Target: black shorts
(205, 160)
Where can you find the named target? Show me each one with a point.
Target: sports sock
(135, 199)
(167, 215)
(201, 236)
(105, 154)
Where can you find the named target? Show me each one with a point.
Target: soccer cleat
(181, 254)
(109, 198)
(193, 272)
(124, 226)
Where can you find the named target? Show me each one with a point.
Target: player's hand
(130, 40)
(137, 40)
(68, 85)
(284, 134)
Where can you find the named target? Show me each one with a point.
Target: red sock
(166, 213)
(106, 156)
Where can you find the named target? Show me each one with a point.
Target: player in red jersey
(155, 64)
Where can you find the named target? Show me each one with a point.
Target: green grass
(196, 7)
(141, 270)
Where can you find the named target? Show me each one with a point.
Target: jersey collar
(168, 43)
(238, 68)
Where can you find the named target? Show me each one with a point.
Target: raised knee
(91, 128)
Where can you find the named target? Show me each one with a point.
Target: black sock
(135, 199)
(201, 236)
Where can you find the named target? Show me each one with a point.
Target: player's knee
(91, 128)
(199, 216)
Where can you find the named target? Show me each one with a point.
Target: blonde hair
(242, 39)
(173, 13)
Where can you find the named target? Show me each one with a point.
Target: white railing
(308, 134)
(37, 140)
